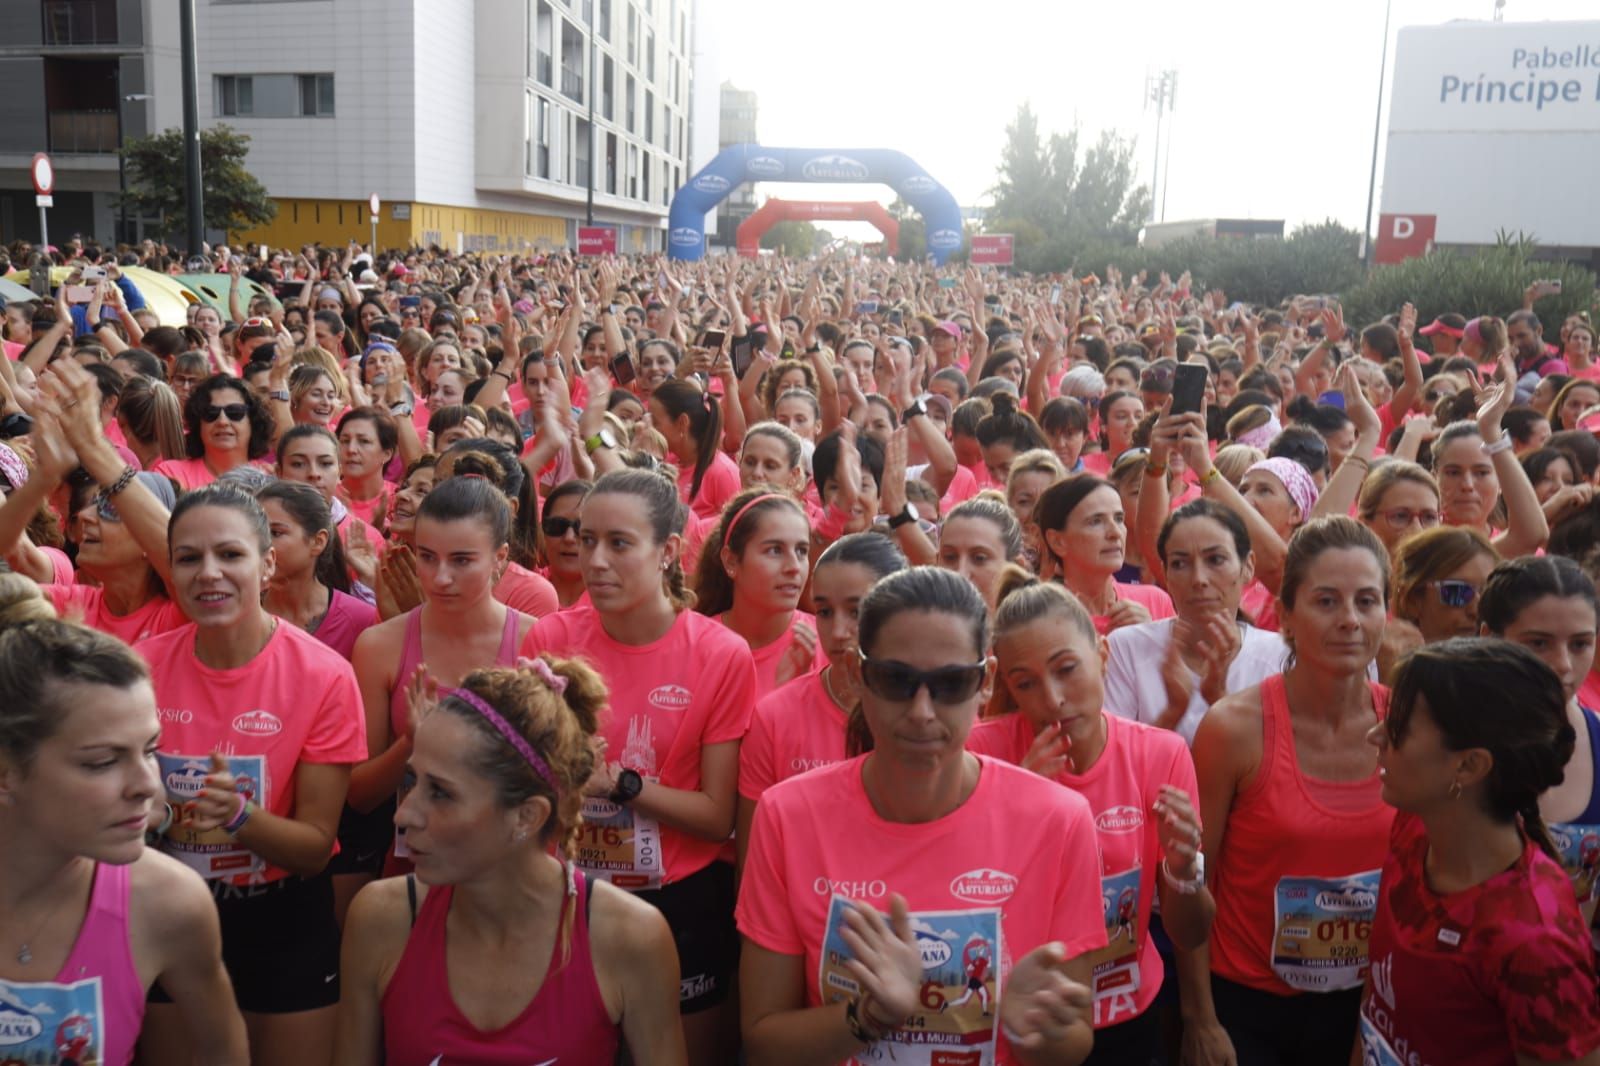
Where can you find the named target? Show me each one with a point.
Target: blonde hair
(1034, 461)
(1234, 460)
(1386, 476)
(314, 356)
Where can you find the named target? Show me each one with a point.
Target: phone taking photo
(622, 368)
(1188, 389)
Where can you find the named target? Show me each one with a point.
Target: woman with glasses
(226, 426)
(1438, 576)
(1140, 785)
(827, 976)
(662, 804)
(1085, 537)
(1294, 828)
(1397, 500)
(1479, 953)
(558, 550)
(1548, 606)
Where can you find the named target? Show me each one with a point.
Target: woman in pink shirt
(516, 586)
(987, 947)
(691, 421)
(681, 689)
(261, 723)
(1140, 784)
(90, 918)
(753, 567)
(367, 441)
(800, 726)
(1085, 535)
(563, 966)
(977, 538)
(310, 584)
(563, 562)
(226, 426)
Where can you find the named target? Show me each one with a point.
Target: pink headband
(503, 727)
(740, 512)
(1263, 435)
(1296, 482)
(12, 466)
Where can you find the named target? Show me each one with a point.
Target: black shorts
(280, 945)
(699, 911)
(1307, 1029)
(364, 840)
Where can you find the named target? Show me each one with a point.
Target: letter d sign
(1402, 237)
(1404, 227)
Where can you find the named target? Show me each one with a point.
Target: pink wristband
(241, 815)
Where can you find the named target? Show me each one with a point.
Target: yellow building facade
(333, 223)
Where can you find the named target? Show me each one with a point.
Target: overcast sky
(1274, 105)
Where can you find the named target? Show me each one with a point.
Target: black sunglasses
(555, 527)
(234, 411)
(898, 682)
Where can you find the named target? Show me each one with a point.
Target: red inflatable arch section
(775, 210)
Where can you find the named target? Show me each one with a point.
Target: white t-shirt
(1133, 671)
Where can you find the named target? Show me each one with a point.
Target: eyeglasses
(1454, 593)
(900, 683)
(234, 411)
(1401, 517)
(556, 527)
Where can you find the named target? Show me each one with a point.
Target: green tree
(233, 198)
(794, 238)
(913, 231)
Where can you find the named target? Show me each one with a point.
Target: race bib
(52, 1023)
(960, 998)
(618, 844)
(1375, 1050)
(1321, 930)
(1579, 846)
(212, 853)
(1116, 966)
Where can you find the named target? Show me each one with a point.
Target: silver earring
(522, 835)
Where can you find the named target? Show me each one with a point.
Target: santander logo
(670, 697)
(258, 723)
(984, 886)
(1119, 819)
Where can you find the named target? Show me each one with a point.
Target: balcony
(80, 22)
(542, 67)
(83, 132)
(572, 84)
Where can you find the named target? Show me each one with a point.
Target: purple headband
(514, 738)
(1296, 482)
(1262, 435)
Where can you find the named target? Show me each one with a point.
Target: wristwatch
(629, 785)
(917, 408)
(908, 514)
(604, 439)
(281, 395)
(401, 408)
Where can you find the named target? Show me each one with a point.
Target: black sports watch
(908, 514)
(629, 785)
(916, 409)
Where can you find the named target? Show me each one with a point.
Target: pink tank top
(1297, 887)
(93, 1010)
(566, 1021)
(411, 658)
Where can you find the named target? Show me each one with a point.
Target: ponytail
(1534, 828)
(680, 399)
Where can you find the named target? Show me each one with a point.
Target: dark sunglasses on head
(1455, 593)
(234, 411)
(898, 682)
(555, 527)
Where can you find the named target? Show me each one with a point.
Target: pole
(1160, 110)
(122, 166)
(44, 234)
(1377, 118)
(194, 192)
(594, 76)
(1170, 81)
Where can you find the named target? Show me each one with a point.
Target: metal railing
(83, 132)
(542, 67)
(80, 22)
(572, 84)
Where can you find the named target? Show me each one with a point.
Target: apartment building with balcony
(738, 110)
(469, 118)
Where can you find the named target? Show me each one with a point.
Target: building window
(630, 94)
(542, 150)
(316, 95)
(633, 36)
(649, 116)
(236, 95)
(605, 20)
(650, 56)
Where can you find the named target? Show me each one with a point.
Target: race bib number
(1321, 930)
(1579, 846)
(618, 844)
(212, 853)
(1375, 1050)
(52, 1023)
(1116, 966)
(960, 997)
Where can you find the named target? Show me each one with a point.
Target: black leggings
(1308, 1029)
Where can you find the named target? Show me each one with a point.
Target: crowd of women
(550, 660)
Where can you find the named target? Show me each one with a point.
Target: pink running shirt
(795, 728)
(87, 603)
(768, 658)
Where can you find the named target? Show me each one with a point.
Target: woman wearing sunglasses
(1294, 829)
(119, 518)
(1140, 784)
(800, 726)
(662, 804)
(1548, 606)
(1085, 537)
(1479, 954)
(1438, 576)
(558, 548)
(1398, 499)
(225, 427)
(826, 976)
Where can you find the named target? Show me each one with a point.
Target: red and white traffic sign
(374, 203)
(44, 174)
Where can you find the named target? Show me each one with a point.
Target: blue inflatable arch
(740, 163)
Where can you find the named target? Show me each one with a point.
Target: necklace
(827, 686)
(25, 952)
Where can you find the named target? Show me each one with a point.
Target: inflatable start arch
(739, 163)
(751, 230)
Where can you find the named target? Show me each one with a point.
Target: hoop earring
(1455, 790)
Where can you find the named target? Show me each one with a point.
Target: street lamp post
(1377, 127)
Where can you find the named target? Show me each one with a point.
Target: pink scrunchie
(1296, 482)
(12, 466)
